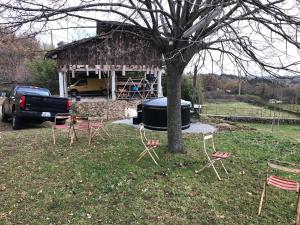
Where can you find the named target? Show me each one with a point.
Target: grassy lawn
(288, 131)
(102, 184)
(243, 109)
(290, 107)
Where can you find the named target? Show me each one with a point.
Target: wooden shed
(122, 53)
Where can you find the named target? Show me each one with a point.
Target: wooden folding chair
(56, 125)
(96, 128)
(215, 156)
(282, 183)
(149, 144)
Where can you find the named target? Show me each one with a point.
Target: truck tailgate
(46, 104)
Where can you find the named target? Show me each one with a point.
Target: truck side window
(12, 92)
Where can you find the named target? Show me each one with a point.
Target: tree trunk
(194, 86)
(174, 78)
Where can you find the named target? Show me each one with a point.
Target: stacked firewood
(108, 110)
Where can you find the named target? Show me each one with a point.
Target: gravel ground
(194, 128)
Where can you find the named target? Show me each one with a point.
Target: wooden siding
(118, 48)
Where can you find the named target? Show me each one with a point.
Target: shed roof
(103, 29)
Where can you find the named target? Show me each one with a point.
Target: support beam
(61, 83)
(113, 84)
(65, 84)
(159, 87)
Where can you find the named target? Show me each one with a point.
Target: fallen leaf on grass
(2, 187)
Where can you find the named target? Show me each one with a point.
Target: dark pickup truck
(32, 104)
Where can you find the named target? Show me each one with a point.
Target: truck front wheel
(16, 122)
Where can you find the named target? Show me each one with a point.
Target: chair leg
(53, 135)
(142, 155)
(90, 136)
(204, 167)
(152, 157)
(298, 210)
(224, 167)
(105, 131)
(262, 198)
(155, 153)
(216, 171)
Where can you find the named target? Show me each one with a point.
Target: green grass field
(287, 131)
(102, 184)
(243, 109)
(290, 107)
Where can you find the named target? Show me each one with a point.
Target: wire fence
(245, 111)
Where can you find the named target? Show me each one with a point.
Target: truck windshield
(33, 91)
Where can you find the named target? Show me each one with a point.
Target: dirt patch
(226, 126)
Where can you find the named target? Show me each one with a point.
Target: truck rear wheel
(16, 122)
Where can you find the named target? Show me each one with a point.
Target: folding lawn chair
(282, 183)
(96, 128)
(215, 156)
(62, 121)
(149, 144)
(80, 124)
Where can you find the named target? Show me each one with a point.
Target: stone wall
(252, 119)
(108, 110)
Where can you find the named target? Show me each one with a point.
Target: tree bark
(174, 78)
(194, 86)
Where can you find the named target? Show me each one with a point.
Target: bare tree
(251, 33)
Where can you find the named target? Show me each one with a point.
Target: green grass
(243, 109)
(102, 184)
(288, 131)
(290, 107)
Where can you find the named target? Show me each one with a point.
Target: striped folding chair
(62, 122)
(149, 144)
(215, 156)
(281, 182)
(80, 124)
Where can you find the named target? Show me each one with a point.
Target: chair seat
(81, 126)
(153, 143)
(282, 183)
(221, 155)
(96, 125)
(62, 126)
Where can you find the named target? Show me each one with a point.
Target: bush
(187, 89)
(44, 74)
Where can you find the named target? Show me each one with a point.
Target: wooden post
(159, 87)
(123, 70)
(65, 84)
(61, 83)
(113, 84)
(87, 70)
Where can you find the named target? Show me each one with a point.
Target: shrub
(44, 74)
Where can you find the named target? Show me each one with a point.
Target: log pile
(108, 110)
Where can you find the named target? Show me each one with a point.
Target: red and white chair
(282, 182)
(149, 144)
(214, 156)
